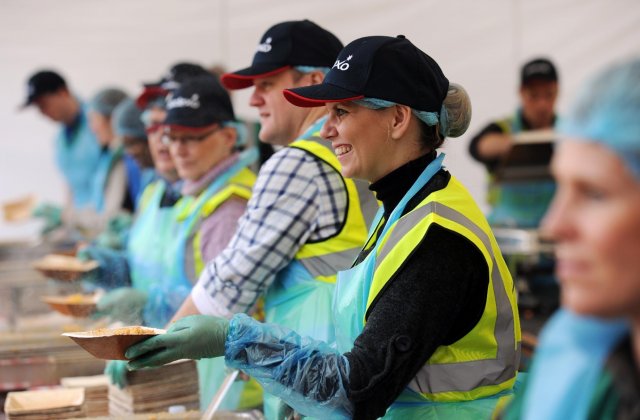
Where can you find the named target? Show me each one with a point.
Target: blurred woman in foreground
(588, 361)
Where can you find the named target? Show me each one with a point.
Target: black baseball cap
(538, 69)
(41, 83)
(199, 102)
(176, 75)
(287, 44)
(379, 67)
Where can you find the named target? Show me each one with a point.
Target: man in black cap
(521, 203)
(304, 222)
(77, 150)
(538, 94)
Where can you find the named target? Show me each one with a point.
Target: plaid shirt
(297, 199)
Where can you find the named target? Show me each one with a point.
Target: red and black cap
(285, 45)
(199, 102)
(177, 74)
(379, 67)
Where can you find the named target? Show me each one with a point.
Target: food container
(76, 305)
(111, 344)
(62, 267)
(20, 209)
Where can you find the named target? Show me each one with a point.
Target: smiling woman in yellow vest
(426, 319)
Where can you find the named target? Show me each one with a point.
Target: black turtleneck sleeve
(436, 298)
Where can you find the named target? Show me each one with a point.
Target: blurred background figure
(76, 148)
(516, 152)
(521, 203)
(588, 362)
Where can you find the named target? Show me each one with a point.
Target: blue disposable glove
(51, 214)
(116, 371)
(116, 233)
(192, 337)
(123, 304)
(113, 270)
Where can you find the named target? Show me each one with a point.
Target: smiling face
(280, 122)
(371, 143)
(196, 152)
(595, 220)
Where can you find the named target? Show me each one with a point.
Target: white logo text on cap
(342, 65)
(181, 102)
(265, 47)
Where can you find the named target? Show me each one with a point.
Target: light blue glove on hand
(192, 337)
(51, 214)
(113, 270)
(124, 304)
(116, 371)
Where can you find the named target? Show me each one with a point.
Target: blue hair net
(126, 120)
(241, 132)
(309, 69)
(105, 101)
(429, 118)
(607, 111)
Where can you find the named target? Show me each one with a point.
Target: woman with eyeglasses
(203, 144)
(426, 320)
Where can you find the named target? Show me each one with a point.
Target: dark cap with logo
(285, 45)
(41, 83)
(177, 74)
(379, 67)
(538, 69)
(199, 102)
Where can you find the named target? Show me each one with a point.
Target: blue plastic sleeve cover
(307, 374)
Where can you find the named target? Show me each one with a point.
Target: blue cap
(105, 101)
(607, 111)
(126, 120)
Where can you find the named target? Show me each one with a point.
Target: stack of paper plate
(45, 404)
(155, 390)
(96, 392)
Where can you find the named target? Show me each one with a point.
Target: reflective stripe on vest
(484, 362)
(323, 259)
(239, 185)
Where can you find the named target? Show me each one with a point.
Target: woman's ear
(316, 77)
(230, 136)
(400, 121)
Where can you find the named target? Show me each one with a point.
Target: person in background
(520, 204)
(587, 364)
(205, 148)
(128, 127)
(77, 151)
(114, 271)
(304, 221)
(110, 195)
(426, 319)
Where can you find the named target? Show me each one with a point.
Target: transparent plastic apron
(152, 232)
(567, 366)
(211, 372)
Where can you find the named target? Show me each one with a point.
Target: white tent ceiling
(479, 44)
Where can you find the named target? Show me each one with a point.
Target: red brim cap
(318, 95)
(149, 94)
(244, 78)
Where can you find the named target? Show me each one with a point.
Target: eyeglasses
(152, 128)
(167, 138)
